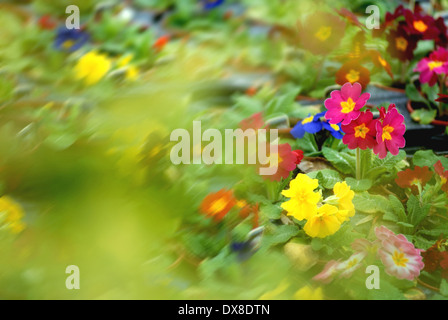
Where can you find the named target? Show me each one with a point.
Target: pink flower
(351, 264)
(344, 105)
(390, 129)
(431, 67)
(401, 259)
(330, 269)
(361, 132)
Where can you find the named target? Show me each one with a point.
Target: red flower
(409, 178)
(251, 91)
(443, 174)
(285, 161)
(436, 257)
(389, 20)
(353, 72)
(401, 44)
(361, 132)
(442, 98)
(161, 43)
(299, 154)
(321, 32)
(255, 122)
(424, 26)
(46, 22)
(218, 204)
(442, 39)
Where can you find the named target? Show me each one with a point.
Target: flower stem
(358, 164)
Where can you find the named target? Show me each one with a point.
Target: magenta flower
(390, 129)
(431, 67)
(361, 132)
(401, 259)
(344, 105)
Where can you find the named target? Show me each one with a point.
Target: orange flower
(246, 209)
(353, 72)
(443, 174)
(410, 178)
(218, 204)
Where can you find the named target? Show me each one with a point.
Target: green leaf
(424, 158)
(340, 160)
(398, 208)
(271, 211)
(416, 212)
(359, 185)
(369, 203)
(281, 234)
(444, 288)
(424, 116)
(328, 178)
(431, 92)
(413, 94)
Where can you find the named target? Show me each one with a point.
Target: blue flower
(70, 39)
(314, 124)
(311, 124)
(210, 4)
(335, 129)
(246, 249)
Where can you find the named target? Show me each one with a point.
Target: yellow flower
(274, 294)
(343, 199)
(303, 200)
(325, 223)
(92, 67)
(11, 214)
(131, 70)
(309, 293)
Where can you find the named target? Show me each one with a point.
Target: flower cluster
(406, 28)
(399, 256)
(11, 215)
(324, 218)
(361, 130)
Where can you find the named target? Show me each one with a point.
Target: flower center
(218, 205)
(434, 64)
(308, 120)
(399, 259)
(352, 76)
(444, 180)
(68, 44)
(420, 26)
(361, 131)
(416, 181)
(347, 106)
(401, 43)
(382, 61)
(387, 130)
(352, 264)
(323, 33)
(335, 127)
